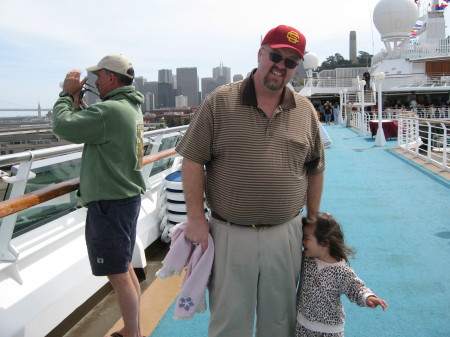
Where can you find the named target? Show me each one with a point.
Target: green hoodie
(112, 133)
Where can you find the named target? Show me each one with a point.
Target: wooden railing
(37, 197)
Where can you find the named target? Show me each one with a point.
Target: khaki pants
(255, 271)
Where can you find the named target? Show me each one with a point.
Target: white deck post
(380, 139)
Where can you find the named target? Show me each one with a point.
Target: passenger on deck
(336, 111)
(328, 110)
(260, 143)
(325, 277)
(111, 182)
(366, 77)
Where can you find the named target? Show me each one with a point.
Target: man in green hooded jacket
(111, 181)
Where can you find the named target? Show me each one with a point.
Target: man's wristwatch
(64, 94)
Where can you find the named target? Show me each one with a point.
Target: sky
(40, 41)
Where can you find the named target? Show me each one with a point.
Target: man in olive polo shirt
(260, 143)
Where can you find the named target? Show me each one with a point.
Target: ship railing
(439, 81)
(433, 112)
(333, 82)
(404, 82)
(36, 194)
(426, 139)
(356, 120)
(386, 114)
(416, 49)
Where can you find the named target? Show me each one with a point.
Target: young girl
(325, 277)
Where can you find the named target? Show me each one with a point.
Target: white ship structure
(415, 61)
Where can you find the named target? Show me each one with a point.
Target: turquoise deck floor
(396, 215)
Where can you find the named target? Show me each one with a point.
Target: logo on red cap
(292, 37)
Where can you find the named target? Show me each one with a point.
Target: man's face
(103, 82)
(272, 65)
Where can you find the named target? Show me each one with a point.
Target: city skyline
(40, 45)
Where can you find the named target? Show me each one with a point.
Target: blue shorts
(111, 234)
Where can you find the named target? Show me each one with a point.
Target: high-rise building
(139, 83)
(165, 76)
(152, 87)
(166, 97)
(238, 77)
(149, 104)
(181, 101)
(174, 82)
(352, 45)
(187, 84)
(222, 75)
(208, 85)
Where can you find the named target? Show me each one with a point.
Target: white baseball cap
(116, 63)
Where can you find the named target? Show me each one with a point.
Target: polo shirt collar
(248, 94)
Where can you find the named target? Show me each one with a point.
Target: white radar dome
(394, 19)
(310, 61)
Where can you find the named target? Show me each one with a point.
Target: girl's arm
(355, 289)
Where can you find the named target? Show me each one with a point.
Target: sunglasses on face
(276, 58)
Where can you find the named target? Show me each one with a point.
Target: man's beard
(274, 85)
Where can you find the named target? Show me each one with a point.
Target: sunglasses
(276, 58)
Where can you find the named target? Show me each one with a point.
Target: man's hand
(197, 232)
(74, 86)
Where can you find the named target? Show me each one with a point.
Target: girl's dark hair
(329, 233)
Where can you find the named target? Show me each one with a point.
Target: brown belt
(254, 226)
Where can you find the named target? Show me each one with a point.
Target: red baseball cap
(285, 37)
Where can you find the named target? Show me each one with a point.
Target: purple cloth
(191, 298)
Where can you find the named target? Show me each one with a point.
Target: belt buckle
(257, 227)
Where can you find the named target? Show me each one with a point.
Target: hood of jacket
(128, 92)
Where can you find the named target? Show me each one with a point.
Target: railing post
(416, 136)
(347, 117)
(429, 143)
(444, 149)
(7, 252)
(362, 126)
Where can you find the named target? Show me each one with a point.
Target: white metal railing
(393, 115)
(433, 112)
(389, 114)
(399, 81)
(25, 173)
(424, 138)
(333, 82)
(356, 120)
(427, 139)
(416, 49)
